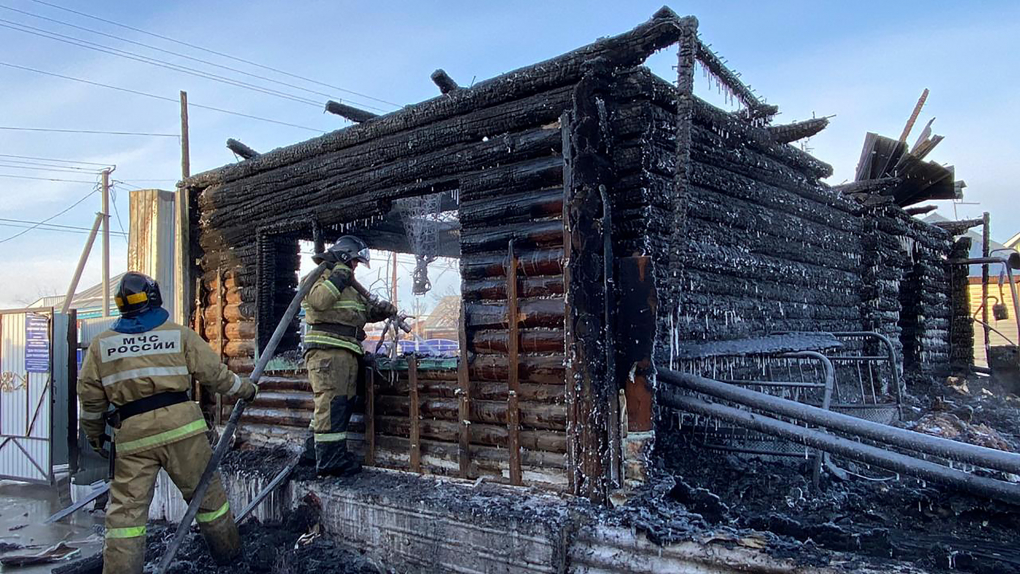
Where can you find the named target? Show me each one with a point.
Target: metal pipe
(819, 439)
(962, 452)
(891, 356)
(81, 265)
(830, 382)
(235, 417)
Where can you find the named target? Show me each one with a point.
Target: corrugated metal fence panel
(89, 328)
(25, 405)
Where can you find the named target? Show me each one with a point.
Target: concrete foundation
(426, 524)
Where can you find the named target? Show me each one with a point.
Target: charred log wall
(765, 246)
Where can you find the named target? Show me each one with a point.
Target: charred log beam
(535, 263)
(537, 416)
(538, 369)
(242, 150)
(444, 81)
(349, 112)
(958, 227)
(494, 289)
(787, 133)
(623, 51)
(481, 390)
(715, 66)
(868, 186)
(484, 434)
(531, 341)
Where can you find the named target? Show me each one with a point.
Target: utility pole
(106, 242)
(182, 254)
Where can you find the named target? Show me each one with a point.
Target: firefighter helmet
(346, 249)
(136, 293)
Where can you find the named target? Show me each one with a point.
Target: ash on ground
(294, 547)
(880, 516)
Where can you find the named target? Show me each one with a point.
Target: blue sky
(865, 62)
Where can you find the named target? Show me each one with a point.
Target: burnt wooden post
(318, 237)
(463, 398)
(985, 252)
(573, 467)
(513, 413)
(412, 380)
(590, 165)
(199, 325)
(369, 416)
(686, 54)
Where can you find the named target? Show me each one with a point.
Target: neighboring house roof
(444, 315)
(91, 298)
(1014, 242)
(975, 243)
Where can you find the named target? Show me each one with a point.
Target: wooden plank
(412, 374)
(464, 398)
(513, 380)
(369, 416)
(573, 469)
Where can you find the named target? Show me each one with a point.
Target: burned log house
(611, 224)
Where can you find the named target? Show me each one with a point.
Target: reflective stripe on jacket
(327, 305)
(120, 368)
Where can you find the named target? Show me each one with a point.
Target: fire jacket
(123, 367)
(336, 312)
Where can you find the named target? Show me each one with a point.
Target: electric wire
(47, 168)
(96, 132)
(10, 24)
(120, 224)
(11, 176)
(27, 163)
(221, 54)
(48, 219)
(58, 225)
(49, 159)
(180, 55)
(148, 95)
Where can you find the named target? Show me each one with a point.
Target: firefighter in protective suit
(336, 314)
(143, 367)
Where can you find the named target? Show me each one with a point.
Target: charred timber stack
(961, 327)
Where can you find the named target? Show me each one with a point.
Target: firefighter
(143, 367)
(336, 315)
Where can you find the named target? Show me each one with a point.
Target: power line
(25, 28)
(24, 163)
(54, 160)
(47, 168)
(57, 225)
(116, 211)
(46, 178)
(180, 55)
(154, 96)
(43, 222)
(235, 58)
(100, 132)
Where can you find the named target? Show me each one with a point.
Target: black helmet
(136, 293)
(346, 249)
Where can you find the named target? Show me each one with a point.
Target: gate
(27, 381)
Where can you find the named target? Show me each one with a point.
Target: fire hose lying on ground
(825, 438)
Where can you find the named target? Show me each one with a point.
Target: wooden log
(540, 369)
(231, 312)
(508, 208)
(539, 234)
(444, 81)
(242, 348)
(495, 289)
(531, 313)
(513, 380)
(786, 133)
(234, 331)
(241, 365)
(481, 390)
(414, 414)
(230, 297)
(531, 341)
(525, 176)
(480, 434)
(533, 415)
(534, 263)
(351, 113)
(621, 51)
(242, 150)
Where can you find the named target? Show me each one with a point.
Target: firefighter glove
(97, 443)
(250, 395)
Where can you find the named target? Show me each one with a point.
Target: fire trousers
(131, 493)
(333, 374)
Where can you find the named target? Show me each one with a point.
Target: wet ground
(24, 507)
